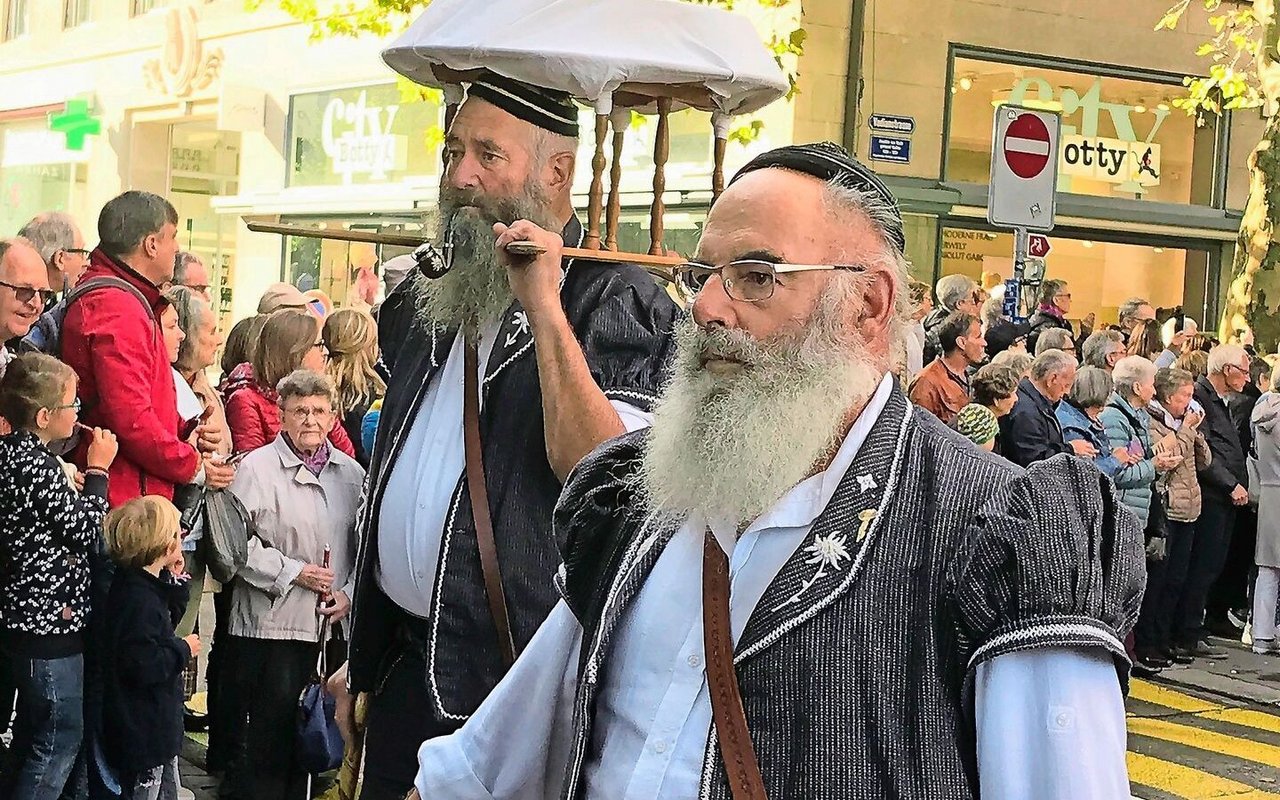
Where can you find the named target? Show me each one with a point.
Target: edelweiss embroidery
(521, 321)
(825, 552)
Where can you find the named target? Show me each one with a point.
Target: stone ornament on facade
(183, 66)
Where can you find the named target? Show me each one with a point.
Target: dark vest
(623, 321)
(856, 682)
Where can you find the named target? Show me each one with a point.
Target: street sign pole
(1021, 244)
(1024, 177)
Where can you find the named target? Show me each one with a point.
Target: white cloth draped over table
(639, 42)
(1044, 718)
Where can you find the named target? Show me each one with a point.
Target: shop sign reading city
(1130, 160)
(357, 138)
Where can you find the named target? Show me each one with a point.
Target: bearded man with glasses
(905, 617)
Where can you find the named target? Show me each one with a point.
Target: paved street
(1209, 730)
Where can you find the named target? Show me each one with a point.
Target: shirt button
(659, 747)
(695, 661)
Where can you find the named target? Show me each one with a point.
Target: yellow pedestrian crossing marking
(1188, 783)
(1201, 739)
(1168, 698)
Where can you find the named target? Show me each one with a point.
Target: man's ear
(560, 170)
(879, 305)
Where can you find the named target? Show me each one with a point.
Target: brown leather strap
(480, 504)
(736, 750)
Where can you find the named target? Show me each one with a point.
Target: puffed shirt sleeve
(1052, 561)
(516, 745)
(1050, 725)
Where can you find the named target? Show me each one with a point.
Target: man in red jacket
(114, 344)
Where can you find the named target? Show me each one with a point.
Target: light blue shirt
(1042, 717)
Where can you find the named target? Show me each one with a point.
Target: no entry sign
(1024, 168)
(1026, 146)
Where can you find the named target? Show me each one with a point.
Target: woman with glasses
(48, 533)
(290, 341)
(293, 594)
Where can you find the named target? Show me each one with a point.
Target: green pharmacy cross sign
(76, 122)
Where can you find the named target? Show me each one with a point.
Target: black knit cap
(832, 163)
(547, 108)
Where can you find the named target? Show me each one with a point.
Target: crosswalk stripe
(1168, 698)
(1188, 783)
(1164, 696)
(1211, 741)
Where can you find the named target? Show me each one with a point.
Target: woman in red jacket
(290, 340)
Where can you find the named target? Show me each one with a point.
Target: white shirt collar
(800, 506)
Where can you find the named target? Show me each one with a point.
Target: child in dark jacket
(143, 657)
(49, 533)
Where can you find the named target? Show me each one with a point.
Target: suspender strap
(480, 504)
(736, 750)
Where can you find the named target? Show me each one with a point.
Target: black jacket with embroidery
(624, 322)
(48, 533)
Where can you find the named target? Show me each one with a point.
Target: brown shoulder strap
(736, 750)
(480, 503)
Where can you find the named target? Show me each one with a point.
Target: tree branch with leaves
(1244, 73)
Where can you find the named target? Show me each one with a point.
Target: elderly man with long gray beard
(505, 372)
(800, 575)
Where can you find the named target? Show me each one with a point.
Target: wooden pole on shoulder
(595, 200)
(620, 119)
(661, 151)
(720, 129)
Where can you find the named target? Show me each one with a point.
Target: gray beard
(730, 447)
(475, 291)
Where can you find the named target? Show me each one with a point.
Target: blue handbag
(319, 746)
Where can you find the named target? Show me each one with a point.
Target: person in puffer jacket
(1128, 425)
(1175, 425)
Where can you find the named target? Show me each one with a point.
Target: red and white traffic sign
(1024, 169)
(1026, 146)
(1038, 246)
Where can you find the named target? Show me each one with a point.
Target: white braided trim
(1048, 635)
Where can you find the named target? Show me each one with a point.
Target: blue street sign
(892, 123)
(1012, 288)
(891, 148)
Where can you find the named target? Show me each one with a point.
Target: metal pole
(1021, 246)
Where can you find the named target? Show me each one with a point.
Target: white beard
(475, 291)
(730, 447)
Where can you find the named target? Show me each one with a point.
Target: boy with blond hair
(143, 657)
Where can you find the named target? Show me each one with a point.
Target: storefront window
(204, 163)
(1101, 275)
(37, 172)
(364, 135)
(1120, 137)
(335, 267)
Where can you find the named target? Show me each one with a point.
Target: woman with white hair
(1128, 425)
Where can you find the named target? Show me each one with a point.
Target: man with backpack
(111, 337)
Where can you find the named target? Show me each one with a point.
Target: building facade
(237, 115)
(1148, 197)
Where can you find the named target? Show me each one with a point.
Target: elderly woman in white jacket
(301, 495)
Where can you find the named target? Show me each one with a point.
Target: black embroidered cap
(831, 162)
(547, 108)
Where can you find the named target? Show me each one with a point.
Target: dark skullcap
(833, 164)
(547, 108)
